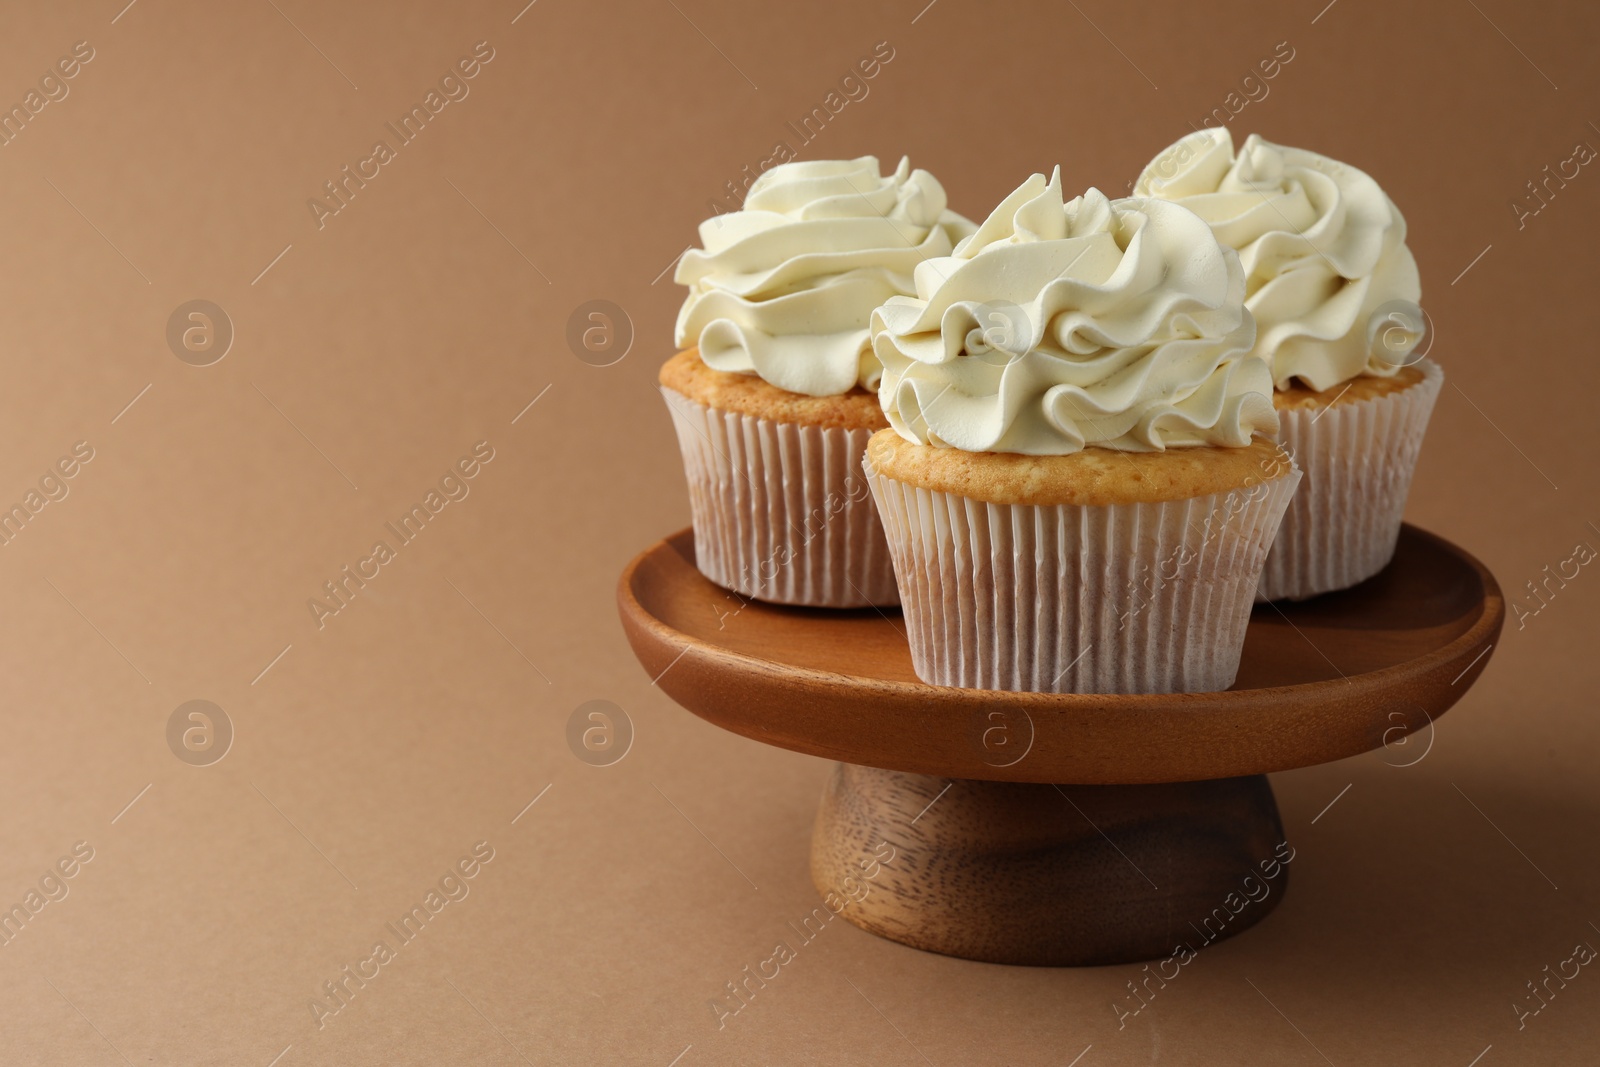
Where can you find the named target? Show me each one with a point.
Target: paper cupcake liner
(1126, 598)
(781, 511)
(1358, 459)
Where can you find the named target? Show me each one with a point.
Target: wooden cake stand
(1034, 828)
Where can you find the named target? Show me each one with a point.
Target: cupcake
(1074, 491)
(772, 393)
(1334, 291)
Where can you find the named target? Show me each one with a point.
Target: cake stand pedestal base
(1020, 873)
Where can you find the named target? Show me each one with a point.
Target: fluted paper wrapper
(782, 512)
(1358, 459)
(1126, 598)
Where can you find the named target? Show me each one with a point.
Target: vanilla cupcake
(1334, 291)
(1074, 494)
(772, 393)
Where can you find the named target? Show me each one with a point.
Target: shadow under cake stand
(1036, 828)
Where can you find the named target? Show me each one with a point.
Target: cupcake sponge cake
(1074, 484)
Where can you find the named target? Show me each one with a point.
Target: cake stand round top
(1320, 680)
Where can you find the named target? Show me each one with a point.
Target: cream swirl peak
(1323, 249)
(1060, 325)
(784, 287)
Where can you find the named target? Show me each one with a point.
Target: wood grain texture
(1047, 875)
(945, 826)
(1320, 680)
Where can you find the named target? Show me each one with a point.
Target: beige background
(429, 312)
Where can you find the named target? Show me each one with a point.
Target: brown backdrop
(373, 351)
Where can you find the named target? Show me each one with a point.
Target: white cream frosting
(1058, 325)
(1323, 247)
(784, 287)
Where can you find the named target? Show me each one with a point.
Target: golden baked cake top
(1298, 395)
(1091, 477)
(687, 374)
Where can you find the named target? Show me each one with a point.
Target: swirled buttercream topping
(784, 287)
(1328, 276)
(1060, 325)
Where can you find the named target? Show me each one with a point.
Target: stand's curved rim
(1073, 736)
